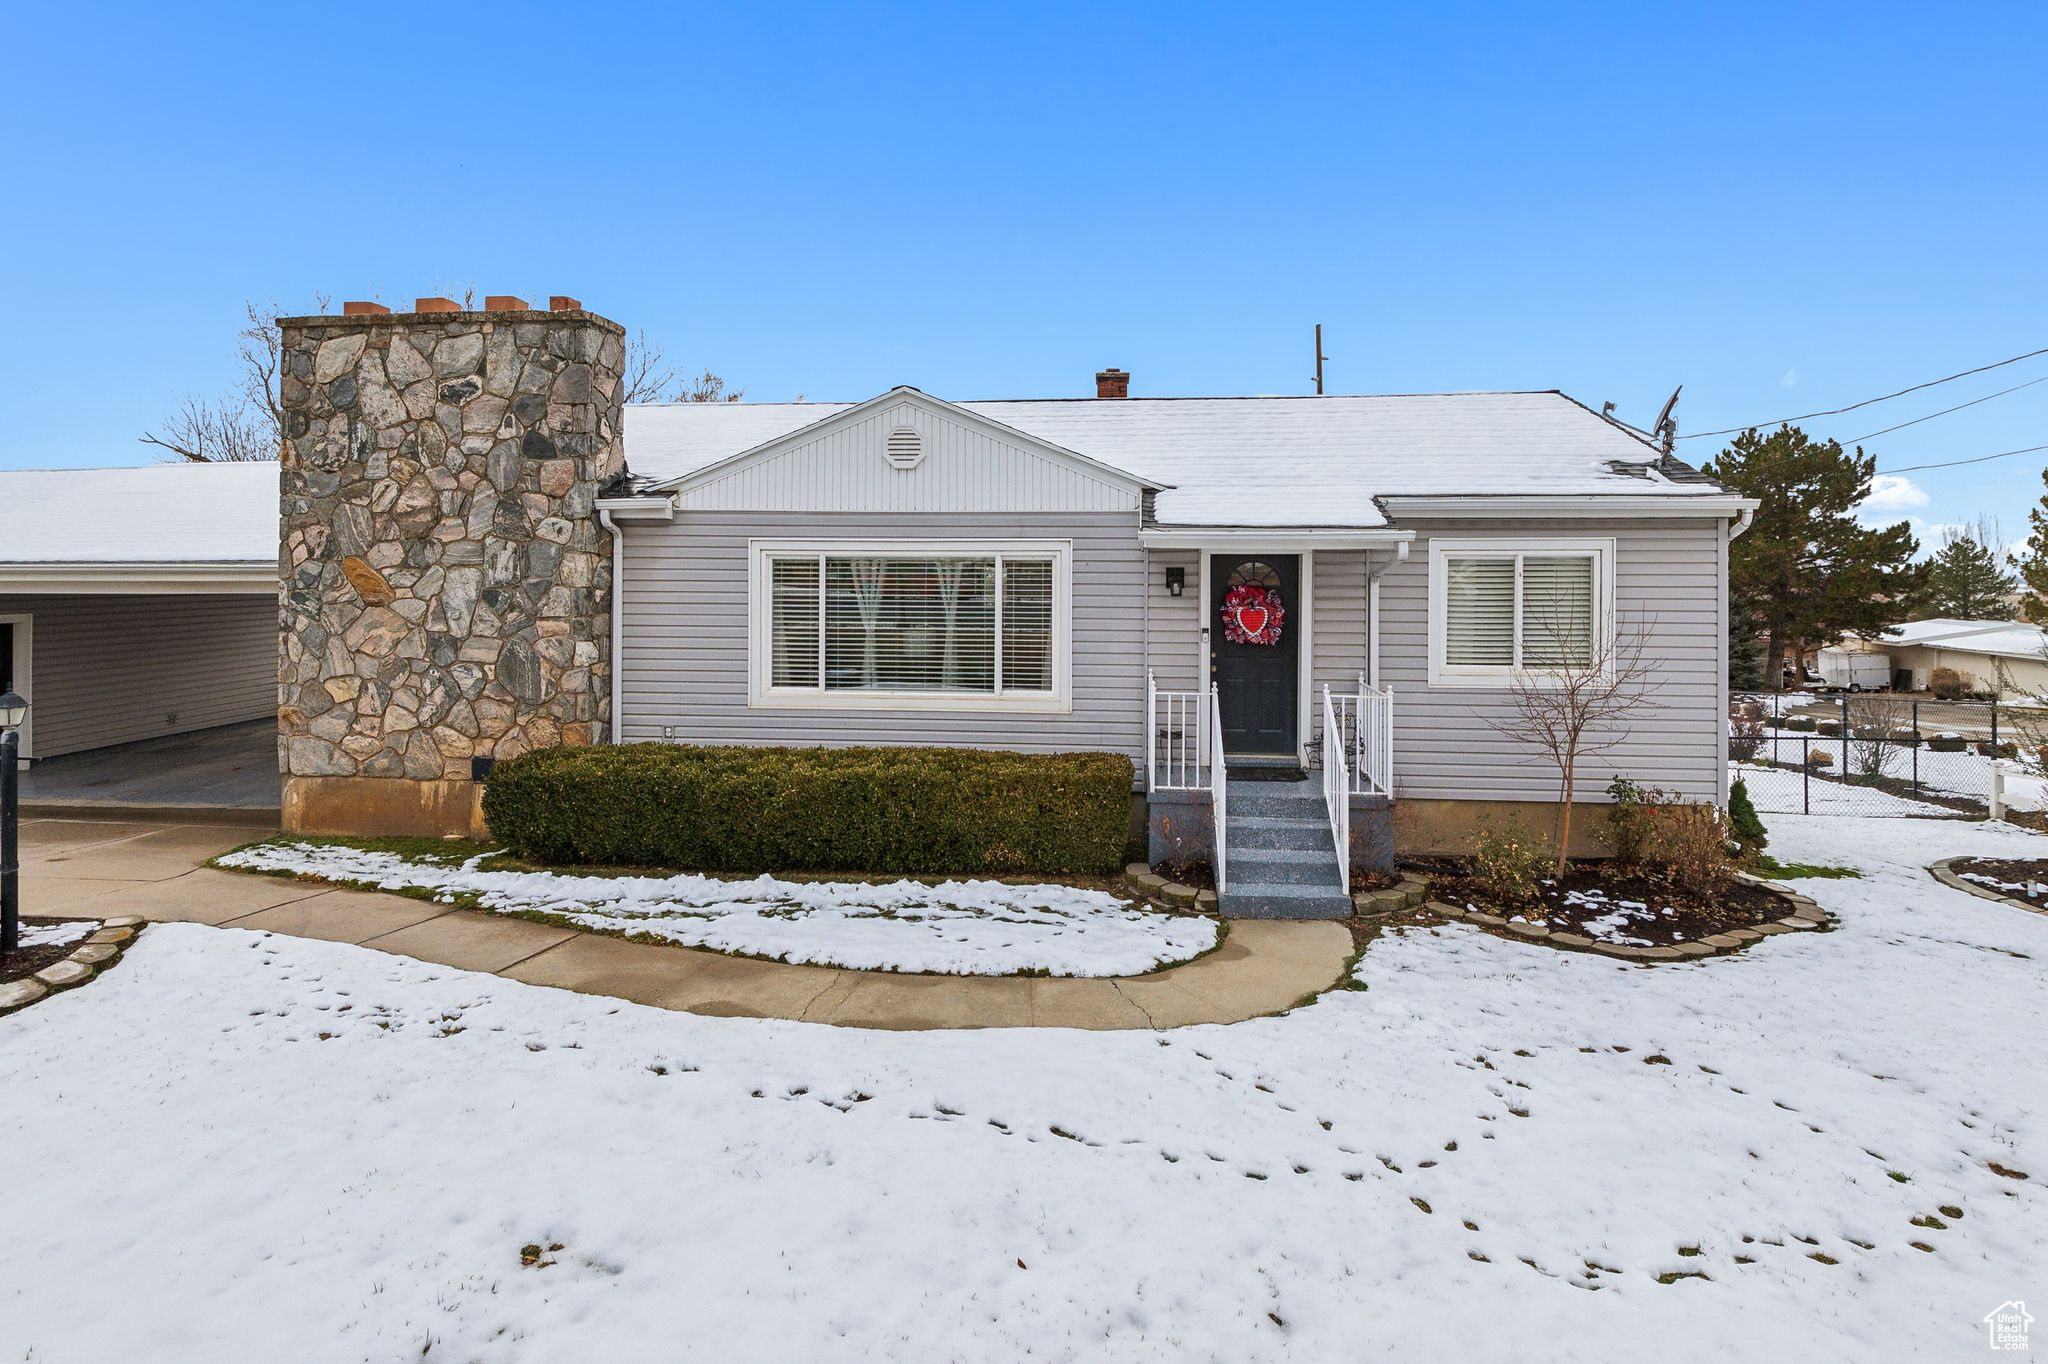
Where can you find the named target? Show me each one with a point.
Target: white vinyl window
(916, 625)
(1502, 608)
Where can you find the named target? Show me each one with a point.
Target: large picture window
(906, 623)
(1498, 609)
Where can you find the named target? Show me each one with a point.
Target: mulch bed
(26, 960)
(1631, 908)
(2010, 876)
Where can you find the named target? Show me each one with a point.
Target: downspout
(1372, 598)
(1742, 520)
(618, 725)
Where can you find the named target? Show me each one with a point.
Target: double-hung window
(911, 625)
(1500, 608)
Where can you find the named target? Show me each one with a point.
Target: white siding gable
(966, 466)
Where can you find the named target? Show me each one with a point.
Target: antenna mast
(1320, 357)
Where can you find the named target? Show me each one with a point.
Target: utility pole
(1320, 357)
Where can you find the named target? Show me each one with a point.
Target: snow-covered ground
(59, 933)
(1779, 789)
(973, 928)
(240, 1147)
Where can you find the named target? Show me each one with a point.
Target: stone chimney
(1112, 383)
(446, 588)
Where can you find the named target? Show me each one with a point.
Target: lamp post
(13, 710)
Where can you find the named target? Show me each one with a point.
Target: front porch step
(1245, 833)
(1270, 900)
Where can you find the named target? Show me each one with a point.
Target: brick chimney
(446, 587)
(1112, 383)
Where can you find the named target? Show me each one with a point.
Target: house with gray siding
(1212, 587)
(1303, 620)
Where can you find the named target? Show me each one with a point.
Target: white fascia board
(1481, 506)
(140, 579)
(1275, 538)
(639, 508)
(937, 406)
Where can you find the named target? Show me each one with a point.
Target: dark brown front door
(1259, 682)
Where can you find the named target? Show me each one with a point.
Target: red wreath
(1253, 615)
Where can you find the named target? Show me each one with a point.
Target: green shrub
(743, 809)
(1630, 820)
(1509, 863)
(1743, 822)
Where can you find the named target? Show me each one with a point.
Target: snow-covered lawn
(1779, 789)
(239, 1147)
(974, 928)
(61, 933)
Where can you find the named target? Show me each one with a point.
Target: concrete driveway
(227, 769)
(154, 868)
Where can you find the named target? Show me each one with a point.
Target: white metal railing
(1364, 729)
(1217, 787)
(1177, 738)
(1337, 787)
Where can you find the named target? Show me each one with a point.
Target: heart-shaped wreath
(1253, 615)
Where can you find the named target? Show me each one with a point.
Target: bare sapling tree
(247, 422)
(1575, 692)
(1878, 723)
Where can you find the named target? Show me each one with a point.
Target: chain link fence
(1879, 753)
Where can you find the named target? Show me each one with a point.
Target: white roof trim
(662, 508)
(919, 398)
(1482, 506)
(121, 579)
(1275, 538)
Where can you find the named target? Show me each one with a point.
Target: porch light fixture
(1176, 581)
(13, 711)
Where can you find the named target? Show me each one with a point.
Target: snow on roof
(2004, 638)
(145, 514)
(1255, 461)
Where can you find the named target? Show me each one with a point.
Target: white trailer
(1855, 669)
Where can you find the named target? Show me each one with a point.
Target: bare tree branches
(248, 422)
(232, 431)
(1575, 707)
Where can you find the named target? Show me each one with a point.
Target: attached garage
(138, 604)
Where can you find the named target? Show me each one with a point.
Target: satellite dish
(1659, 428)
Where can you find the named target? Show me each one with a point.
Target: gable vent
(905, 448)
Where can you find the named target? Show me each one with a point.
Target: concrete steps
(1281, 863)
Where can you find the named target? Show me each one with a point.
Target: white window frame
(1442, 674)
(763, 695)
(25, 676)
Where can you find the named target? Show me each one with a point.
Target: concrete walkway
(152, 868)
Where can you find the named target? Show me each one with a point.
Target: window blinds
(901, 624)
(1509, 611)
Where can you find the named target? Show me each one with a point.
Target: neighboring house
(136, 603)
(2006, 659)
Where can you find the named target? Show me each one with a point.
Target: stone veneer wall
(445, 586)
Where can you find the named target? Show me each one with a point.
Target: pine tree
(1807, 572)
(1965, 581)
(2034, 566)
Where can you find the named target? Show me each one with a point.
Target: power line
(1952, 463)
(1858, 440)
(1883, 398)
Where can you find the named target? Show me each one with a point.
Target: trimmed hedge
(929, 811)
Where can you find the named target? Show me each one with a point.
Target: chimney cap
(1112, 383)
(436, 305)
(504, 303)
(562, 303)
(360, 308)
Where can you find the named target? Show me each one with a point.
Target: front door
(1254, 623)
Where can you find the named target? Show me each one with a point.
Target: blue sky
(1783, 208)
